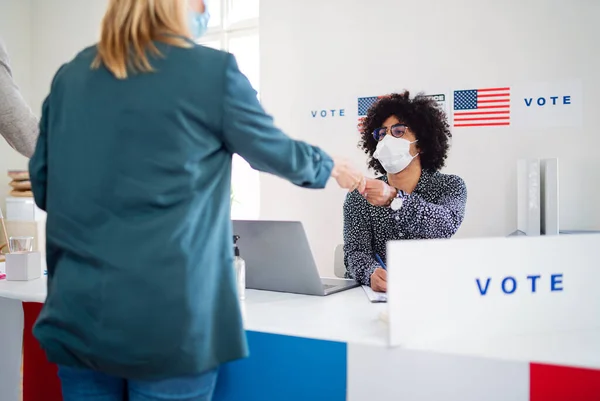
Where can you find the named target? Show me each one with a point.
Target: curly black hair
(422, 116)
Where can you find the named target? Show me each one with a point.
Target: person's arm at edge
(18, 124)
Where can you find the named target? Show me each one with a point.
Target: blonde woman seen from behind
(133, 166)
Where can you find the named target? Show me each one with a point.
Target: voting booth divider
(522, 299)
(498, 290)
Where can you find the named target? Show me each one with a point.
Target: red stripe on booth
(40, 380)
(560, 383)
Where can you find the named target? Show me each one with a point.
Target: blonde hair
(130, 28)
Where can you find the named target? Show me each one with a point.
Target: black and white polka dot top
(435, 209)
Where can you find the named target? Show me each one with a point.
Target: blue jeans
(87, 385)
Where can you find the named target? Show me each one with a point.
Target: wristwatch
(398, 201)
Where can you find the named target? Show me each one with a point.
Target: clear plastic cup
(20, 244)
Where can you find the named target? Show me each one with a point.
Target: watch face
(396, 204)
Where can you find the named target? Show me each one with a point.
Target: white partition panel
(550, 197)
(383, 374)
(528, 195)
(532, 299)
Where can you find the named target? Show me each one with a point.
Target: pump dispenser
(240, 269)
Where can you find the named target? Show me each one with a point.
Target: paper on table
(374, 296)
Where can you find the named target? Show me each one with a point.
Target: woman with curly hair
(406, 140)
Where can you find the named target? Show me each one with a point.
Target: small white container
(23, 209)
(23, 266)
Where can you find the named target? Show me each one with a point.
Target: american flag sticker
(489, 107)
(364, 104)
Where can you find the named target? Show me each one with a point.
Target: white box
(527, 299)
(528, 193)
(23, 266)
(550, 197)
(23, 209)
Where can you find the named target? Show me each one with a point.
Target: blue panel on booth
(285, 368)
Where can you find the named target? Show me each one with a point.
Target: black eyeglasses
(397, 130)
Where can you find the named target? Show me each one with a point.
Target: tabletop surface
(26, 291)
(347, 316)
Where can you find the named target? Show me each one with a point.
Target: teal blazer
(135, 176)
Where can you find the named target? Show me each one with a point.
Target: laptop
(278, 258)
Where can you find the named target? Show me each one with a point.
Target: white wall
(40, 36)
(15, 32)
(60, 29)
(324, 54)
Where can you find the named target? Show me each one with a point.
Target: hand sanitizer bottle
(240, 269)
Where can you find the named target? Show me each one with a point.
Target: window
(233, 27)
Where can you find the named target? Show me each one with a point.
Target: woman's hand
(379, 280)
(347, 176)
(378, 193)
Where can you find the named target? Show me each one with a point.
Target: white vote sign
(485, 291)
(547, 105)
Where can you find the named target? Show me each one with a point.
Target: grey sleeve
(18, 124)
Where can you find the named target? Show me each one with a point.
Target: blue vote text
(549, 100)
(508, 285)
(328, 113)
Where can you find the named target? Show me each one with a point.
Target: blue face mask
(199, 23)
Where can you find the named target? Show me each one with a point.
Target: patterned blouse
(435, 209)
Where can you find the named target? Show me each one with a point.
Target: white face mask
(394, 154)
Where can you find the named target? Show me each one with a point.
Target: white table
(347, 317)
